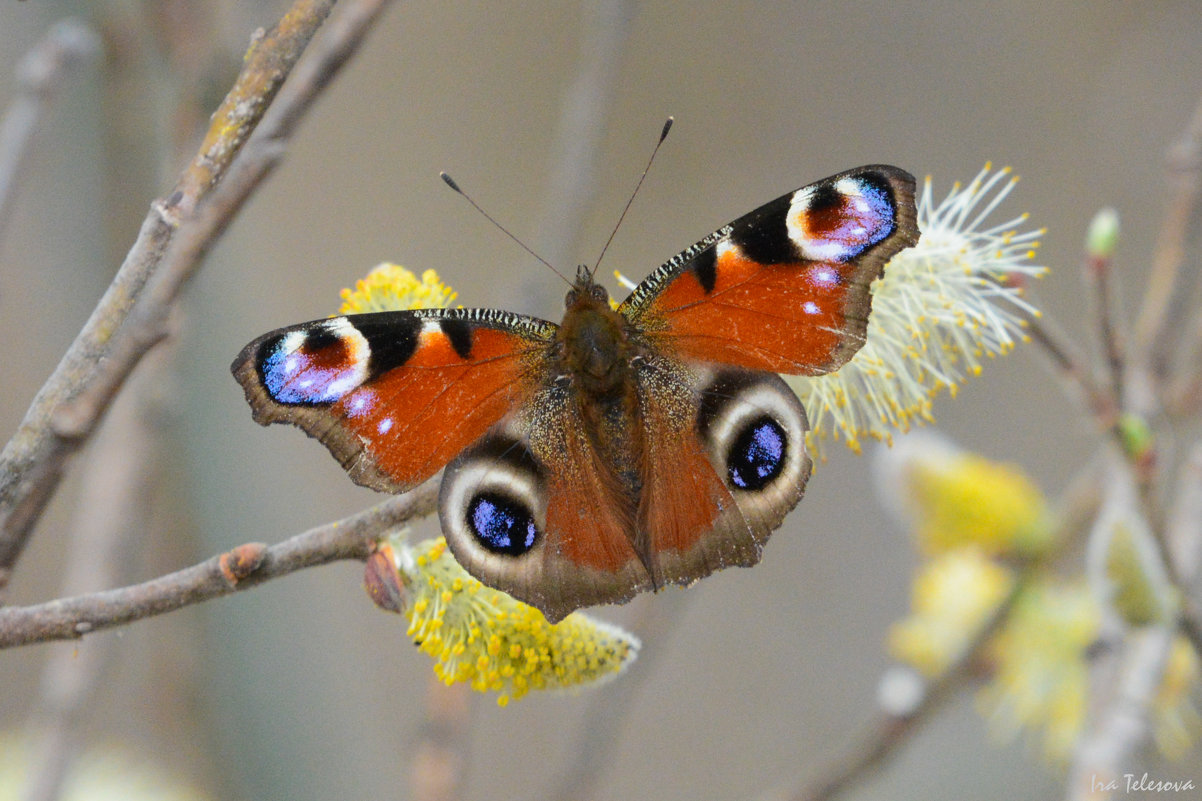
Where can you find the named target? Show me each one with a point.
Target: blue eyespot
(313, 365)
(501, 524)
(758, 454)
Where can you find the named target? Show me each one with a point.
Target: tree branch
(145, 324)
(112, 511)
(1074, 371)
(241, 568)
(1153, 334)
(179, 230)
(893, 727)
(1099, 274)
(1120, 725)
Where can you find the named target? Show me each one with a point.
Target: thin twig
(1152, 333)
(1071, 366)
(241, 568)
(40, 75)
(1105, 410)
(198, 234)
(131, 316)
(1120, 726)
(32, 463)
(1099, 273)
(893, 728)
(1076, 505)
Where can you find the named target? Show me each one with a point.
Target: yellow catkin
(495, 643)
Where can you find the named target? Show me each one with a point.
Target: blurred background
(546, 112)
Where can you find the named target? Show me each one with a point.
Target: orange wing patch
(588, 517)
(684, 496)
(415, 418)
(786, 318)
(784, 288)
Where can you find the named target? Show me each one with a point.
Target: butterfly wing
(395, 395)
(532, 509)
(725, 462)
(783, 289)
(786, 287)
(561, 504)
(535, 510)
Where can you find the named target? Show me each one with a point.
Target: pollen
(952, 498)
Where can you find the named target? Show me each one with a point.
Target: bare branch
(1076, 506)
(1099, 273)
(241, 568)
(1152, 332)
(131, 317)
(1071, 366)
(111, 511)
(1120, 726)
(892, 729)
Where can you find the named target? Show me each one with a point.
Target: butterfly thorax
(596, 356)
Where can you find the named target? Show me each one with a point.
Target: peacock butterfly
(621, 450)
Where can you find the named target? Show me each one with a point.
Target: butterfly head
(585, 291)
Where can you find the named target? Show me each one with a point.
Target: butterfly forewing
(395, 395)
(786, 287)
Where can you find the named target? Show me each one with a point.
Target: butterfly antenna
(662, 136)
(451, 183)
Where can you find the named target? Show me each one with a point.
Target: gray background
(302, 689)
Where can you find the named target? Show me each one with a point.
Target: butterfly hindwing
(533, 510)
(395, 395)
(721, 477)
(785, 288)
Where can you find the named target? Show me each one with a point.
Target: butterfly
(623, 449)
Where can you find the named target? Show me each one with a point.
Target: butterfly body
(623, 449)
